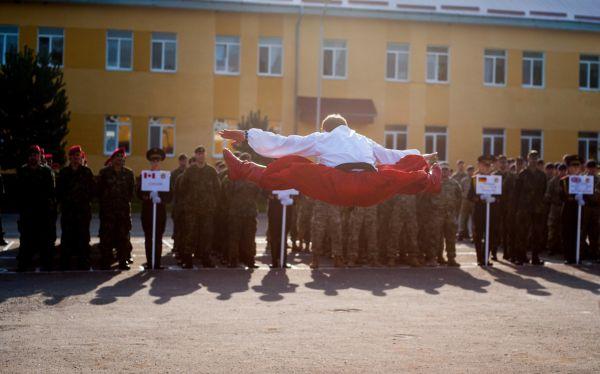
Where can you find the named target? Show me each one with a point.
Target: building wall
(196, 96)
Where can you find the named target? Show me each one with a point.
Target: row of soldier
(215, 218)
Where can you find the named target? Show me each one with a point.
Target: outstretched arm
(272, 145)
(392, 156)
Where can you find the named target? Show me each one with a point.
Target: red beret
(75, 149)
(116, 152)
(35, 149)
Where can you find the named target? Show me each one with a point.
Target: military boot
(314, 264)
(338, 262)
(413, 262)
(452, 262)
(353, 262)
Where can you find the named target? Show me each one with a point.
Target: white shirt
(340, 146)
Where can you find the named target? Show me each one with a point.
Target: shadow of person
(169, 284)
(563, 278)
(327, 280)
(460, 278)
(426, 280)
(377, 281)
(225, 282)
(532, 286)
(274, 284)
(124, 288)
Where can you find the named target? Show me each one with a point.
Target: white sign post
(285, 198)
(155, 181)
(580, 185)
(485, 187)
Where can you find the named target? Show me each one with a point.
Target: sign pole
(487, 232)
(283, 239)
(577, 245)
(153, 235)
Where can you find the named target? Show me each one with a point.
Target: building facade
(456, 79)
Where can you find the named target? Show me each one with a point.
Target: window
(437, 64)
(531, 139)
(119, 50)
(9, 41)
(588, 72)
(51, 45)
(117, 133)
(334, 59)
(164, 51)
(588, 145)
(270, 55)
(227, 55)
(436, 141)
(218, 142)
(533, 69)
(397, 62)
(161, 134)
(493, 142)
(395, 136)
(494, 67)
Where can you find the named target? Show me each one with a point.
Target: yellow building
(460, 77)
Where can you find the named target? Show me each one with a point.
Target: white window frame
(395, 134)
(532, 60)
(436, 66)
(153, 122)
(397, 52)
(530, 139)
(51, 37)
(119, 124)
(4, 35)
(228, 45)
(587, 141)
(119, 40)
(435, 135)
(268, 42)
(588, 69)
(163, 42)
(334, 50)
(493, 137)
(488, 54)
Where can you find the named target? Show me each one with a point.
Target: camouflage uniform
(75, 189)
(115, 192)
(326, 222)
(241, 198)
(426, 250)
(363, 220)
(176, 211)
(443, 215)
(552, 197)
(403, 228)
(384, 226)
(37, 212)
(529, 201)
(220, 244)
(466, 208)
(199, 191)
(305, 211)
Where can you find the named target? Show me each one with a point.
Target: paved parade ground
(502, 319)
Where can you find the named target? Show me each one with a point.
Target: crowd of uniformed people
(215, 219)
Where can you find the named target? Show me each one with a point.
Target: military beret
(118, 151)
(591, 164)
(34, 149)
(75, 149)
(154, 153)
(571, 160)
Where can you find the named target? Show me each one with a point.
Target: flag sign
(159, 180)
(581, 184)
(488, 185)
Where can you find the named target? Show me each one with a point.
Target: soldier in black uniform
(176, 214)
(479, 210)
(75, 188)
(569, 210)
(155, 156)
(37, 209)
(116, 186)
(590, 218)
(500, 209)
(2, 241)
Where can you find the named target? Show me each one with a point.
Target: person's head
(520, 163)
(484, 164)
(470, 170)
(192, 160)
(118, 158)
(75, 156)
(34, 155)
(200, 155)
(561, 170)
(183, 160)
(591, 167)
(501, 163)
(155, 156)
(460, 166)
(246, 157)
(550, 169)
(332, 121)
(573, 163)
(445, 170)
(220, 166)
(532, 159)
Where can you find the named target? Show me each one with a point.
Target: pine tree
(254, 121)
(33, 108)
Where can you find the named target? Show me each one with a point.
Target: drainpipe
(320, 72)
(297, 68)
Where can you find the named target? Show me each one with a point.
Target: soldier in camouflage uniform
(36, 204)
(75, 188)
(363, 220)
(176, 213)
(384, 217)
(116, 186)
(220, 238)
(241, 206)
(403, 231)
(552, 197)
(529, 201)
(466, 206)
(326, 221)
(426, 250)
(305, 212)
(443, 210)
(200, 190)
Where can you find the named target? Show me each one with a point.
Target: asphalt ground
(525, 319)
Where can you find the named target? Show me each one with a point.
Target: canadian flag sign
(159, 180)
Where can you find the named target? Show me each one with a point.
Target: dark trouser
(36, 234)
(161, 220)
(530, 232)
(569, 230)
(115, 227)
(479, 226)
(75, 238)
(240, 243)
(590, 222)
(198, 234)
(1, 228)
(275, 217)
